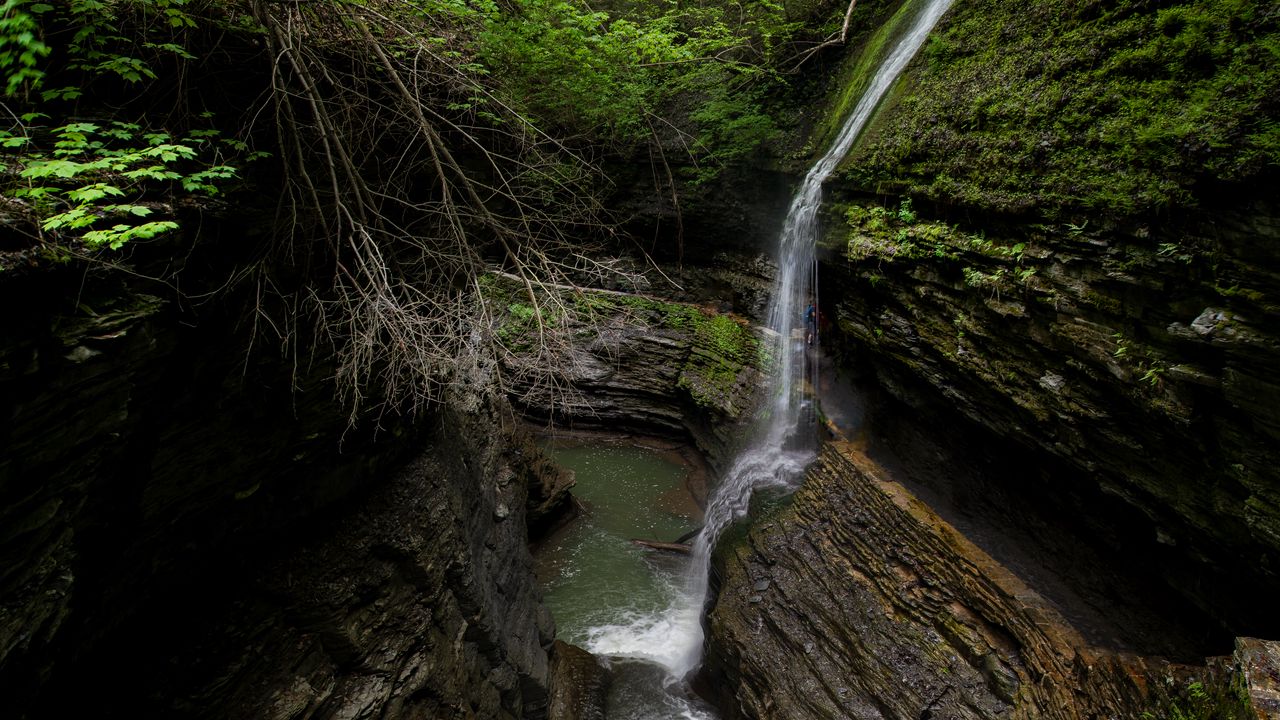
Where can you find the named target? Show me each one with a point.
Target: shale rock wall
(1085, 291)
(1128, 375)
(853, 599)
(190, 534)
(651, 366)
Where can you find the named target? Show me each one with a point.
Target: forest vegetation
(380, 155)
(354, 167)
(1119, 110)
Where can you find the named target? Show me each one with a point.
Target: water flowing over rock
(784, 443)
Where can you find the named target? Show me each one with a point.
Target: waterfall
(785, 441)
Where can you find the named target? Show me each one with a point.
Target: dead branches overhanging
(414, 177)
(834, 39)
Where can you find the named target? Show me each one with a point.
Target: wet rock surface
(579, 684)
(1259, 663)
(874, 607)
(1121, 376)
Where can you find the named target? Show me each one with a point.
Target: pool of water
(613, 597)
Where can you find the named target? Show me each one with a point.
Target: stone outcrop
(1259, 664)
(418, 603)
(855, 600)
(655, 367)
(581, 684)
(187, 534)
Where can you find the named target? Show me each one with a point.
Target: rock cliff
(650, 366)
(1072, 296)
(853, 599)
(1131, 371)
(189, 535)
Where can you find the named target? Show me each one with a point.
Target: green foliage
(96, 44)
(994, 281)
(881, 233)
(1141, 360)
(723, 346)
(1198, 700)
(21, 49)
(645, 74)
(875, 39)
(1060, 108)
(100, 183)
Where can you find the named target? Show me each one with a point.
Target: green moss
(886, 234)
(857, 73)
(1215, 699)
(722, 347)
(1063, 108)
(1105, 303)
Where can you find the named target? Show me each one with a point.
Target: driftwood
(665, 546)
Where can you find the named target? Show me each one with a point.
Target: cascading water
(785, 442)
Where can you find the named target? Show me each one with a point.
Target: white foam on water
(651, 636)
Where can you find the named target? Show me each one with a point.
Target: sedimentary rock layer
(1132, 369)
(189, 535)
(855, 600)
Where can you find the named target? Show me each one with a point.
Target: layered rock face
(855, 600)
(657, 367)
(420, 603)
(187, 534)
(1131, 377)
(1084, 293)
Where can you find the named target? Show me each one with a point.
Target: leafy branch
(100, 183)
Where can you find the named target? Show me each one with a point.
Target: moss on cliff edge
(1063, 107)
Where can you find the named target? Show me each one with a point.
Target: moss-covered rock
(1055, 108)
(1116, 356)
(636, 362)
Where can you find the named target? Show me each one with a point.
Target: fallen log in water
(666, 546)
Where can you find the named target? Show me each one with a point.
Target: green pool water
(591, 572)
(618, 600)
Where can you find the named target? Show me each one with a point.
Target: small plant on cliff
(1154, 374)
(1198, 701)
(1122, 345)
(994, 281)
(905, 213)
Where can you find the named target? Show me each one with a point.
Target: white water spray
(785, 442)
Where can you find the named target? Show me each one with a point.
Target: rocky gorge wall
(854, 599)
(188, 534)
(1134, 372)
(646, 365)
(1088, 274)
